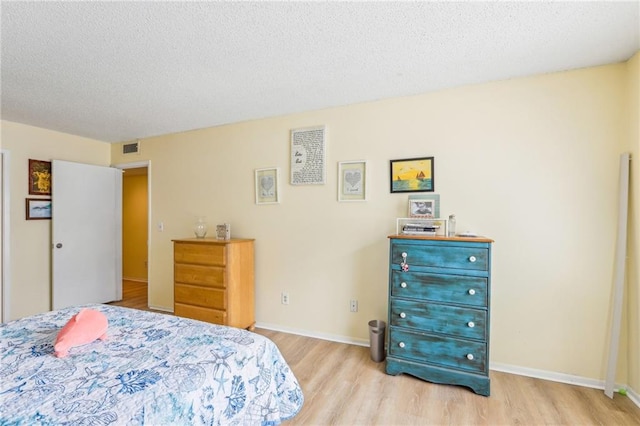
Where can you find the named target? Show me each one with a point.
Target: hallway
(134, 295)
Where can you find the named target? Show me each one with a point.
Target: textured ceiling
(116, 71)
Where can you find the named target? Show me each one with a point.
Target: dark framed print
(39, 177)
(38, 208)
(412, 175)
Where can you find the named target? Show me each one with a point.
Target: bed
(152, 369)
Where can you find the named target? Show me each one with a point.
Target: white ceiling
(117, 71)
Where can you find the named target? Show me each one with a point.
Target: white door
(86, 234)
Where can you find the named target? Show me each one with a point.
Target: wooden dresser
(439, 306)
(214, 281)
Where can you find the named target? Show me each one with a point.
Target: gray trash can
(376, 339)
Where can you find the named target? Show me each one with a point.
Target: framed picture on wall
(308, 154)
(38, 208)
(267, 184)
(412, 175)
(39, 177)
(352, 180)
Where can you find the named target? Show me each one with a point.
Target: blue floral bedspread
(152, 369)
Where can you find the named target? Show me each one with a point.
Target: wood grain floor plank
(343, 386)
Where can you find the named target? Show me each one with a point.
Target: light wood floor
(342, 386)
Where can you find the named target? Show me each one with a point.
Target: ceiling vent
(131, 148)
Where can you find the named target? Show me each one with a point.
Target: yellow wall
(633, 270)
(530, 162)
(30, 247)
(134, 227)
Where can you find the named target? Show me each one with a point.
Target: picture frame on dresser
(267, 185)
(352, 181)
(424, 206)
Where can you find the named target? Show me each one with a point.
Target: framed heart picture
(267, 185)
(352, 180)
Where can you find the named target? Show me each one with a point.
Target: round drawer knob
(404, 255)
(403, 285)
(472, 291)
(471, 324)
(403, 315)
(470, 357)
(401, 344)
(472, 259)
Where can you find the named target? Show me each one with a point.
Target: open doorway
(135, 235)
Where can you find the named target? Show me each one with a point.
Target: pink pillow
(84, 327)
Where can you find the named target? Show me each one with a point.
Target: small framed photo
(223, 232)
(38, 208)
(412, 175)
(424, 206)
(352, 180)
(39, 177)
(267, 185)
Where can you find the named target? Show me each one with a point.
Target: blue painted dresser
(439, 306)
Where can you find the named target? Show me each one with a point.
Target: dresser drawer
(444, 351)
(200, 296)
(435, 318)
(210, 276)
(439, 256)
(202, 314)
(201, 254)
(457, 289)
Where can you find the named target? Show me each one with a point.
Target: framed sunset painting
(412, 175)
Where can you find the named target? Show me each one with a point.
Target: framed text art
(267, 185)
(412, 175)
(352, 181)
(39, 177)
(38, 208)
(308, 156)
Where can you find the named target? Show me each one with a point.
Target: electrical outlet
(284, 298)
(353, 306)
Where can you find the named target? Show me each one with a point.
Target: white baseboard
(562, 378)
(506, 368)
(322, 336)
(160, 308)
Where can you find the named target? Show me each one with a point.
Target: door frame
(6, 236)
(135, 165)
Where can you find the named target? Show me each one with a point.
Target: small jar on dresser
(214, 281)
(439, 309)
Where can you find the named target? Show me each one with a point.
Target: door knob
(59, 245)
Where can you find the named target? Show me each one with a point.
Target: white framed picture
(352, 180)
(267, 184)
(308, 153)
(424, 206)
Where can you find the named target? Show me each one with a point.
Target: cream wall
(633, 271)
(30, 246)
(134, 227)
(530, 162)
